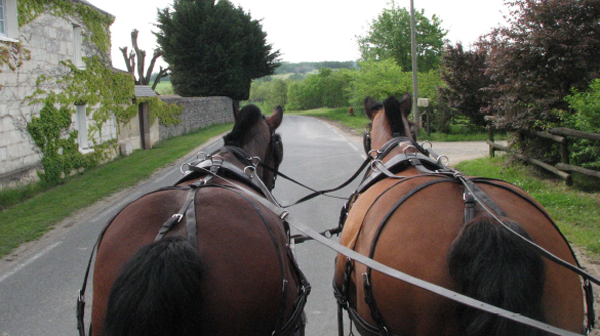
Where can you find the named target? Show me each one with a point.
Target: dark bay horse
(204, 257)
(427, 225)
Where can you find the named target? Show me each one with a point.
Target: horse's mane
(248, 116)
(394, 115)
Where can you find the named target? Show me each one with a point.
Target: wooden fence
(559, 135)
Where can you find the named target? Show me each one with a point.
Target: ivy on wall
(12, 54)
(104, 91)
(95, 21)
(168, 114)
(60, 154)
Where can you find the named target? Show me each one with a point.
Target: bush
(326, 89)
(586, 118)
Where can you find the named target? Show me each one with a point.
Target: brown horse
(224, 267)
(425, 223)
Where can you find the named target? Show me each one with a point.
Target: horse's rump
(242, 248)
(414, 234)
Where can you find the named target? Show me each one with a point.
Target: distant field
(164, 88)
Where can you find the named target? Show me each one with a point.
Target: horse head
(392, 123)
(255, 135)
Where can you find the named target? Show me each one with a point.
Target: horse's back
(243, 250)
(416, 238)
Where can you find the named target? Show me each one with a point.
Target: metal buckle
(251, 168)
(374, 151)
(426, 142)
(204, 155)
(183, 165)
(178, 216)
(217, 160)
(407, 148)
(255, 160)
(374, 163)
(439, 161)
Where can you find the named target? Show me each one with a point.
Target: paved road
(39, 283)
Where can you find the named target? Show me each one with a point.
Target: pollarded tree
(389, 36)
(142, 78)
(464, 72)
(213, 48)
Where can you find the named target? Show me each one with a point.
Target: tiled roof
(144, 91)
(89, 4)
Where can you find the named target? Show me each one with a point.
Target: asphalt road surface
(39, 283)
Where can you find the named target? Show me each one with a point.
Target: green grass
(30, 219)
(359, 121)
(576, 212)
(165, 88)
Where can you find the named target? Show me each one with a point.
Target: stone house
(42, 49)
(58, 55)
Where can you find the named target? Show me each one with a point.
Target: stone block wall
(198, 112)
(49, 40)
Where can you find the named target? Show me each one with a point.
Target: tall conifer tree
(213, 48)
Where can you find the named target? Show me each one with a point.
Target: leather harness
(214, 168)
(442, 174)
(427, 166)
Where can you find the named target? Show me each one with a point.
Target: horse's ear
(276, 118)
(406, 105)
(370, 107)
(236, 112)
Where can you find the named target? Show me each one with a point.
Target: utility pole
(413, 47)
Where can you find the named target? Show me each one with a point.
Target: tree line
(536, 72)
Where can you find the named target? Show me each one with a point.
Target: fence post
(428, 111)
(491, 138)
(564, 151)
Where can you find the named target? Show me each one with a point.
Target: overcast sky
(310, 30)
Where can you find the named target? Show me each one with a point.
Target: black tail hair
(491, 264)
(158, 292)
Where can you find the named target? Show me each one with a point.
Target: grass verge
(359, 121)
(30, 219)
(576, 212)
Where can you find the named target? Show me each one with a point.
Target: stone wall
(198, 112)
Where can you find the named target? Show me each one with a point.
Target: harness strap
(372, 264)
(397, 164)
(177, 217)
(80, 310)
(304, 287)
(375, 313)
(454, 296)
(191, 226)
(470, 204)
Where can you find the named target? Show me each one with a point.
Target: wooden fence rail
(559, 135)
